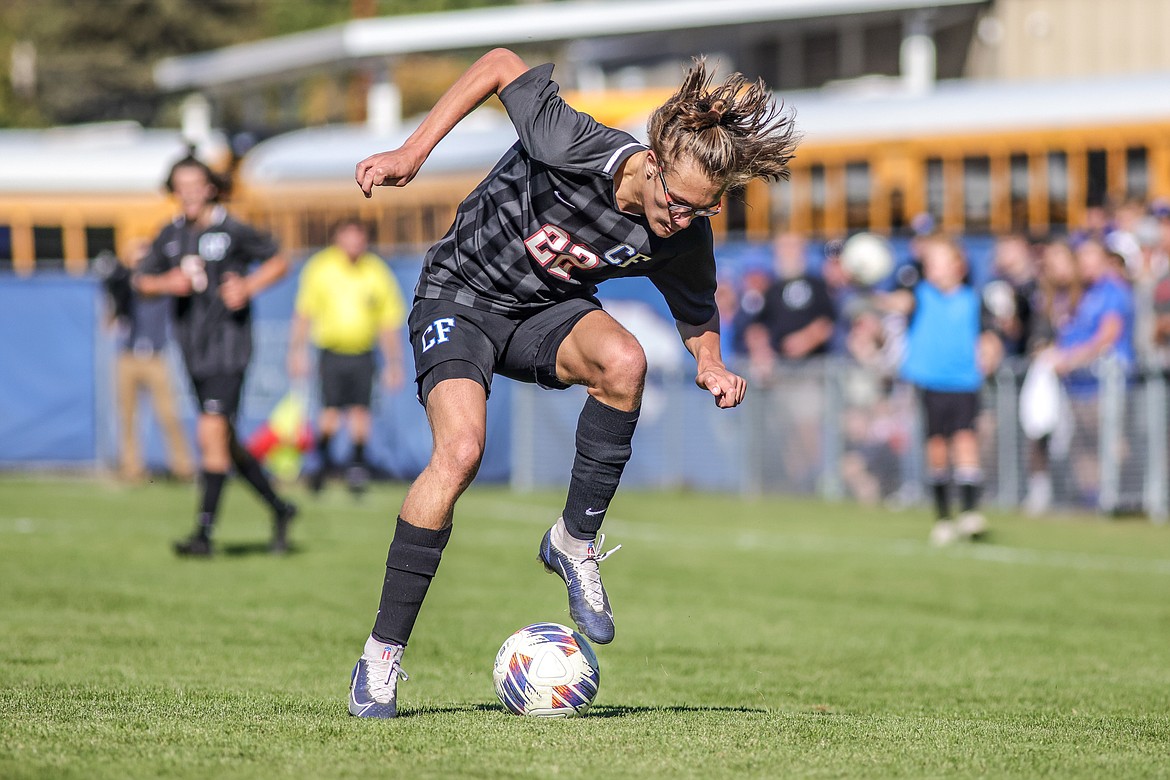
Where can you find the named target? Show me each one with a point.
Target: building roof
(499, 26)
(866, 112)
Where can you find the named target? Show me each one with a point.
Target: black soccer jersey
(544, 226)
(214, 340)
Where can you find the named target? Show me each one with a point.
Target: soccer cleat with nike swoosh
(588, 602)
(373, 684)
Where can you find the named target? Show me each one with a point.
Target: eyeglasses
(680, 210)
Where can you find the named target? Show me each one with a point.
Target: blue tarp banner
(47, 369)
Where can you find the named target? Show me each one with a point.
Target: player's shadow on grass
(601, 711)
(242, 549)
(624, 711)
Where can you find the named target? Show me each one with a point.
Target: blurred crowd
(1065, 303)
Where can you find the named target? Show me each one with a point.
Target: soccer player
(203, 259)
(950, 348)
(510, 290)
(351, 303)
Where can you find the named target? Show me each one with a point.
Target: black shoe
(196, 546)
(357, 479)
(281, 520)
(317, 480)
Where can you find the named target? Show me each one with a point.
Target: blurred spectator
(794, 324)
(1160, 260)
(142, 331)
(797, 314)
(1009, 294)
(1102, 323)
(730, 335)
(949, 351)
(1058, 291)
(348, 303)
(843, 294)
(1101, 327)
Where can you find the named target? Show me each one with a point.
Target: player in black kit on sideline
(510, 290)
(203, 259)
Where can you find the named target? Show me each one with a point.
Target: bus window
(1097, 186)
(1018, 191)
(98, 240)
(977, 194)
(317, 227)
(1058, 189)
(857, 191)
(5, 248)
(818, 198)
(48, 247)
(1137, 173)
(935, 191)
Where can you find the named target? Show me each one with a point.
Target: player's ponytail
(735, 131)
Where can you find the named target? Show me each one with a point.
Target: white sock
(567, 543)
(375, 647)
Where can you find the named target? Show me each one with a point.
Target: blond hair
(735, 131)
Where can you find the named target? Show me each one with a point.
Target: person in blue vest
(950, 348)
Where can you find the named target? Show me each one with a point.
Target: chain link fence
(840, 431)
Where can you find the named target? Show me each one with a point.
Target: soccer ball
(867, 258)
(546, 671)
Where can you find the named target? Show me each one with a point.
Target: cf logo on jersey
(437, 332)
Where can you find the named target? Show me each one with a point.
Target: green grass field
(768, 638)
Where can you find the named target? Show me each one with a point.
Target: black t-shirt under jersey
(213, 339)
(544, 226)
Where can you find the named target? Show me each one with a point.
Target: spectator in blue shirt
(1102, 324)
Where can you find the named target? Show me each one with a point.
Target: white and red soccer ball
(546, 670)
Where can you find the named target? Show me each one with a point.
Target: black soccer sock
(603, 448)
(323, 442)
(359, 453)
(410, 566)
(252, 472)
(212, 489)
(940, 486)
(970, 482)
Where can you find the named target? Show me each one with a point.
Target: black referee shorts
(947, 413)
(219, 394)
(452, 341)
(346, 380)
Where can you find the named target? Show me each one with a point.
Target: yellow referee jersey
(348, 302)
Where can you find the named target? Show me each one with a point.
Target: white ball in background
(867, 258)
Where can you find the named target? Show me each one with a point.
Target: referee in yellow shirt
(348, 303)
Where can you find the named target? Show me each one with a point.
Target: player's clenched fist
(395, 168)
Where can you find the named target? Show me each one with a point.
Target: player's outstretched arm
(702, 341)
(490, 74)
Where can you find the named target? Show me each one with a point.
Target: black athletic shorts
(346, 380)
(947, 413)
(452, 341)
(219, 394)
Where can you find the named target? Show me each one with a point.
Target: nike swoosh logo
(594, 512)
(561, 198)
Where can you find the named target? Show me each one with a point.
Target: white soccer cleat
(373, 684)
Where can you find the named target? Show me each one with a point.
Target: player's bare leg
(602, 355)
(457, 412)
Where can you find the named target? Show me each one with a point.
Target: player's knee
(460, 455)
(624, 369)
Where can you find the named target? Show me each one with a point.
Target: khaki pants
(151, 374)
